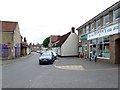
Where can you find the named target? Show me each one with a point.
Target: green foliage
(46, 42)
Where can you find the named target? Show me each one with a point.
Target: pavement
(5, 62)
(75, 63)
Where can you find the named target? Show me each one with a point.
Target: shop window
(85, 48)
(106, 20)
(92, 47)
(84, 44)
(93, 41)
(103, 47)
(116, 14)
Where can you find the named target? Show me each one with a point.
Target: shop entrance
(117, 51)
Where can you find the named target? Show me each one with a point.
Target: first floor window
(116, 14)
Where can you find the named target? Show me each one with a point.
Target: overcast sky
(39, 19)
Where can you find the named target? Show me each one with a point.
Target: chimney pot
(73, 29)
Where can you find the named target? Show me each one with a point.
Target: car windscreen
(46, 54)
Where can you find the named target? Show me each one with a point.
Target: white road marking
(71, 67)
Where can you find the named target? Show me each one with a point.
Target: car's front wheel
(39, 62)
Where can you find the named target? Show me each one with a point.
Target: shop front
(105, 43)
(83, 49)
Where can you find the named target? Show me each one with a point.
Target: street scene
(59, 44)
(69, 72)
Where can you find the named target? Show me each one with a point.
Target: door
(117, 51)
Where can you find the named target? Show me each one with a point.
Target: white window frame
(84, 31)
(114, 14)
(97, 24)
(104, 20)
(87, 29)
(92, 27)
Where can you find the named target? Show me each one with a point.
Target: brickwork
(114, 48)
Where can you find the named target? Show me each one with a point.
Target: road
(69, 72)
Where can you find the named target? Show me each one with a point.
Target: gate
(4, 51)
(17, 50)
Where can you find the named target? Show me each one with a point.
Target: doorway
(117, 51)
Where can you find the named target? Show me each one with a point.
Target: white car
(38, 51)
(46, 57)
(54, 53)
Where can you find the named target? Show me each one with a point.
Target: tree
(46, 42)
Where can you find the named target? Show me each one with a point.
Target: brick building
(100, 36)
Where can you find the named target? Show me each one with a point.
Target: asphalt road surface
(69, 72)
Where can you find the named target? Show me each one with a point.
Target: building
(34, 47)
(25, 50)
(53, 38)
(100, 36)
(67, 45)
(10, 42)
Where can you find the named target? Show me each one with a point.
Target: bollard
(90, 58)
(95, 59)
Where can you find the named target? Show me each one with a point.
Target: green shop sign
(83, 37)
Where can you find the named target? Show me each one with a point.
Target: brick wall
(114, 48)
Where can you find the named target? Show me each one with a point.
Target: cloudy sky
(39, 19)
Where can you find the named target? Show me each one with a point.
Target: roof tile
(7, 26)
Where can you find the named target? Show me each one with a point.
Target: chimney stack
(73, 29)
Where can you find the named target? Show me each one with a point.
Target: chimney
(21, 38)
(73, 29)
(25, 39)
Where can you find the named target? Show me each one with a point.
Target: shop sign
(113, 29)
(83, 37)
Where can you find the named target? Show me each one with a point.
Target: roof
(54, 38)
(62, 39)
(7, 26)
(109, 9)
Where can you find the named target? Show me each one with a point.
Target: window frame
(87, 29)
(98, 25)
(104, 19)
(84, 30)
(92, 27)
(103, 47)
(114, 14)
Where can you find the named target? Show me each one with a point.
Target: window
(106, 20)
(98, 24)
(92, 47)
(103, 47)
(116, 14)
(84, 45)
(85, 48)
(80, 32)
(87, 29)
(84, 30)
(92, 26)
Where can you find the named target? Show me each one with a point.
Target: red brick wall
(113, 55)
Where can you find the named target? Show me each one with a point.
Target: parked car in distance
(54, 54)
(42, 52)
(46, 58)
(38, 51)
